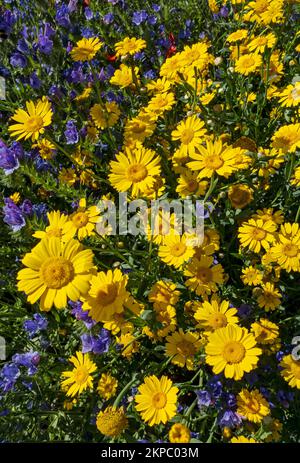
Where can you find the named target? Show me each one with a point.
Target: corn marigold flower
(55, 228)
(243, 440)
(163, 294)
(296, 177)
(203, 276)
(182, 347)
(124, 77)
(80, 378)
(251, 276)
(156, 400)
(179, 434)
(260, 43)
(237, 36)
(188, 184)
(107, 386)
(265, 331)
(160, 103)
(46, 148)
(112, 421)
(290, 371)
(247, 63)
(252, 405)
(31, 124)
(129, 46)
(286, 252)
(269, 297)
(82, 222)
(257, 234)
(106, 115)
(215, 314)
(176, 250)
(86, 49)
(240, 195)
(287, 138)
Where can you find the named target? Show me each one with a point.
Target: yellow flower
(188, 184)
(45, 147)
(163, 294)
(256, 234)
(260, 43)
(243, 440)
(291, 371)
(128, 343)
(214, 158)
(55, 228)
(240, 195)
(140, 127)
(214, 314)
(203, 275)
(286, 252)
(179, 434)
(15, 197)
(112, 421)
(79, 379)
(159, 85)
(107, 295)
(267, 214)
(269, 297)
(182, 347)
(56, 271)
(287, 138)
(265, 332)
(252, 405)
(124, 77)
(160, 103)
(190, 132)
(31, 124)
(84, 95)
(157, 400)
(86, 49)
(106, 115)
(107, 386)
(237, 36)
(251, 276)
(247, 63)
(296, 177)
(129, 46)
(82, 221)
(136, 169)
(233, 350)
(67, 176)
(176, 250)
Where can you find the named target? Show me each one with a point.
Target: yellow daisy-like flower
(134, 169)
(159, 85)
(107, 295)
(128, 344)
(290, 96)
(243, 440)
(203, 276)
(139, 128)
(86, 49)
(183, 347)
(256, 234)
(107, 386)
(287, 138)
(233, 350)
(112, 421)
(55, 228)
(188, 184)
(46, 148)
(82, 221)
(214, 314)
(286, 252)
(240, 195)
(80, 378)
(291, 371)
(259, 44)
(179, 434)
(129, 46)
(296, 177)
(157, 400)
(105, 116)
(160, 103)
(267, 214)
(237, 36)
(247, 63)
(251, 276)
(176, 250)
(252, 405)
(67, 176)
(124, 77)
(269, 297)
(56, 271)
(265, 332)
(190, 132)
(214, 158)
(31, 124)
(163, 294)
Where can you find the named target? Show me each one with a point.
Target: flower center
(258, 234)
(86, 51)
(81, 375)
(80, 219)
(214, 162)
(136, 173)
(107, 295)
(186, 348)
(34, 123)
(253, 405)
(178, 249)
(290, 250)
(217, 320)
(138, 127)
(248, 62)
(54, 232)
(234, 352)
(57, 272)
(159, 400)
(187, 136)
(192, 185)
(204, 274)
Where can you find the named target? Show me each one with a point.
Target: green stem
(124, 390)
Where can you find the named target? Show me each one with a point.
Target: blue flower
(139, 17)
(44, 44)
(18, 60)
(8, 160)
(81, 314)
(13, 215)
(108, 18)
(8, 376)
(96, 344)
(204, 399)
(229, 419)
(32, 327)
(71, 133)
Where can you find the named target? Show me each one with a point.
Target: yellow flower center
(161, 102)
(159, 400)
(81, 375)
(86, 51)
(187, 136)
(234, 352)
(253, 405)
(214, 162)
(138, 127)
(111, 422)
(54, 232)
(248, 62)
(217, 320)
(57, 272)
(192, 185)
(290, 250)
(136, 173)
(34, 124)
(186, 348)
(108, 294)
(204, 274)
(80, 219)
(178, 249)
(258, 234)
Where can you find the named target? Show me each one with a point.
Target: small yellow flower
(179, 434)
(107, 386)
(86, 49)
(112, 421)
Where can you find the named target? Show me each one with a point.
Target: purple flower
(40, 210)
(32, 327)
(155, 7)
(26, 207)
(215, 387)
(18, 60)
(88, 13)
(224, 12)
(7, 20)
(23, 46)
(71, 133)
(44, 44)
(244, 310)
(152, 20)
(29, 360)
(150, 74)
(72, 5)
(34, 81)
(139, 17)
(8, 376)
(229, 419)
(204, 399)
(62, 16)
(96, 344)
(108, 18)
(8, 160)
(13, 215)
(81, 314)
